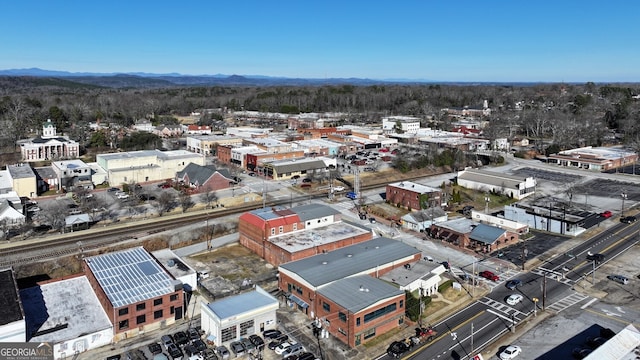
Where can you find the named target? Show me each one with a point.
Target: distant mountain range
(141, 79)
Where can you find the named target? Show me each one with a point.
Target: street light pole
(624, 197)
(535, 306)
(487, 199)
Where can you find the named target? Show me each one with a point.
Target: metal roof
(242, 303)
(298, 165)
(130, 276)
(491, 178)
(314, 211)
(486, 233)
(325, 268)
(359, 292)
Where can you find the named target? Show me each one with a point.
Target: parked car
(237, 348)
(257, 341)
(513, 283)
(489, 275)
(155, 348)
(282, 347)
(595, 341)
(581, 353)
(397, 349)
(199, 345)
(209, 354)
(193, 334)
(606, 214)
(113, 189)
(293, 350)
(174, 351)
(271, 334)
(514, 299)
(223, 352)
(628, 219)
(510, 352)
(166, 340)
(180, 338)
(338, 188)
(306, 180)
(248, 345)
(307, 356)
(619, 279)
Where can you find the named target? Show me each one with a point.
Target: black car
(279, 340)
(257, 341)
(307, 356)
(396, 349)
(155, 348)
(595, 341)
(180, 338)
(193, 334)
(199, 345)
(512, 284)
(628, 219)
(271, 334)
(595, 257)
(174, 351)
(237, 348)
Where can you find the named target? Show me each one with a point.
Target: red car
(489, 275)
(607, 214)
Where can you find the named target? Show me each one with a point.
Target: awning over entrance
(298, 301)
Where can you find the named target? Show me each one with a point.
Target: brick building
(253, 161)
(205, 178)
(342, 290)
(280, 235)
(137, 294)
(414, 196)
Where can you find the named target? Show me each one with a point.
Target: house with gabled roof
(205, 178)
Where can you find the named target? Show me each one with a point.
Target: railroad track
(39, 249)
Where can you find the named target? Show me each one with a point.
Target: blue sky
(510, 40)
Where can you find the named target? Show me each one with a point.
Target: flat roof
(309, 238)
(415, 187)
(357, 293)
(593, 153)
(460, 225)
(314, 211)
(130, 276)
(492, 178)
(363, 257)
(239, 304)
(10, 310)
(172, 263)
(63, 310)
(21, 171)
(171, 154)
(418, 270)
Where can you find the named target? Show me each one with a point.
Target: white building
(177, 268)
(407, 124)
(146, 165)
(49, 146)
(68, 314)
(238, 316)
(423, 275)
(509, 185)
(73, 173)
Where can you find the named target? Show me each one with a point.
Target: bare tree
(185, 201)
(165, 202)
(208, 197)
(55, 216)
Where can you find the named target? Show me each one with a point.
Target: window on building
(173, 297)
(124, 324)
(123, 311)
(140, 306)
(357, 321)
(369, 333)
(401, 304)
(157, 314)
(295, 226)
(342, 316)
(228, 334)
(273, 231)
(379, 312)
(172, 310)
(280, 230)
(157, 302)
(141, 319)
(245, 327)
(326, 306)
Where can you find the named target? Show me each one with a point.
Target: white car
(514, 299)
(510, 352)
(282, 347)
(338, 188)
(122, 196)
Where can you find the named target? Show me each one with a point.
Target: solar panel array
(130, 276)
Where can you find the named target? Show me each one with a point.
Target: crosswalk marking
(503, 308)
(553, 275)
(566, 302)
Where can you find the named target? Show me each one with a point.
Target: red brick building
(280, 235)
(342, 290)
(413, 196)
(224, 153)
(253, 161)
(205, 178)
(137, 294)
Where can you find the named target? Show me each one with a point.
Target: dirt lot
(233, 268)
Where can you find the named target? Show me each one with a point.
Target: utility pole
(593, 273)
(544, 291)
(472, 338)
